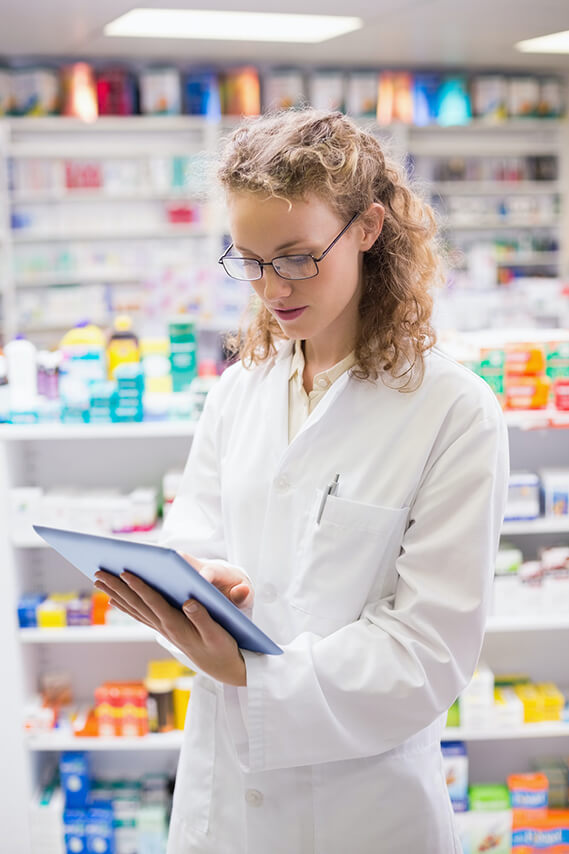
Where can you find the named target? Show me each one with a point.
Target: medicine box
(455, 763)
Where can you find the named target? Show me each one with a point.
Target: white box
(555, 486)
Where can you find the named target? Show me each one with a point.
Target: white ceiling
(396, 33)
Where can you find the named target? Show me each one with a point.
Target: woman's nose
(275, 286)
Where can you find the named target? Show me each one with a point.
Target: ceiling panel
(404, 33)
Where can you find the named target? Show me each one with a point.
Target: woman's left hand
(191, 630)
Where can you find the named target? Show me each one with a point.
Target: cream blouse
(301, 404)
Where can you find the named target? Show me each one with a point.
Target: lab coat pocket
(194, 778)
(346, 558)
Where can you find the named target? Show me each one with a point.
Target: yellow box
(534, 704)
(553, 700)
(182, 691)
(51, 615)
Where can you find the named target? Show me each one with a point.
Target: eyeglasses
(285, 266)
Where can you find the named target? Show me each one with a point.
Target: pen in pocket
(331, 489)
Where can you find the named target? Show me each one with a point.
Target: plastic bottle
(22, 372)
(4, 390)
(123, 345)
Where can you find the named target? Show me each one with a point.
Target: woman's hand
(191, 630)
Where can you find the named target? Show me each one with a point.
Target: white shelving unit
(59, 455)
(58, 224)
(55, 454)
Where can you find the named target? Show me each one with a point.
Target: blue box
(27, 615)
(74, 831)
(75, 778)
(99, 829)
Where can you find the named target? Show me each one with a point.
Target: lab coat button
(268, 593)
(283, 484)
(254, 798)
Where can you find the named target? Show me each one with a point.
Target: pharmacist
(346, 482)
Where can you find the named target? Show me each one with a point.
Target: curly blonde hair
(293, 153)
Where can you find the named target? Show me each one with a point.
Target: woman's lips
(289, 314)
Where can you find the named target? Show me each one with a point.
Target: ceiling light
(239, 26)
(554, 43)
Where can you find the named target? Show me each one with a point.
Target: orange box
(529, 792)
(526, 392)
(525, 359)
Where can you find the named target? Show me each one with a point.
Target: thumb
(240, 594)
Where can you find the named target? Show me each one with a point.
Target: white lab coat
(334, 746)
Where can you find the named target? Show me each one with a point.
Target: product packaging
(551, 98)
(240, 92)
(123, 345)
(75, 778)
(283, 89)
(361, 94)
(160, 91)
(80, 92)
(116, 92)
(454, 102)
(527, 392)
(155, 360)
(183, 353)
(555, 491)
(5, 93)
(395, 98)
(455, 764)
(529, 792)
(477, 699)
(489, 95)
(508, 708)
(327, 90)
(523, 96)
(425, 98)
(523, 501)
(201, 94)
(35, 92)
(182, 690)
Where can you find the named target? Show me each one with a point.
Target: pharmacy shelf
(483, 224)
(88, 634)
(544, 525)
(527, 623)
(158, 233)
(538, 419)
(71, 277)
(528, 259)
(494, 188)
(173, 740)
(99, 195)
(126, 430)
(65, 741)
(142, 634)
(105, 124)
(34, 541)
(547, 729)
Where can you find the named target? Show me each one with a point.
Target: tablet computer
(164, 570)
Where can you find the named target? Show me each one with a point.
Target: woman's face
(310, 309)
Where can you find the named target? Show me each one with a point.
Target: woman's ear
(371, 223)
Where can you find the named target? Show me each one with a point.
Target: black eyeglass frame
(271, 263)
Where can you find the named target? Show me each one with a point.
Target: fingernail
(191, 607)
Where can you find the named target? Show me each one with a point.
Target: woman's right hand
(229, 580)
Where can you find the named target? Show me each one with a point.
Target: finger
(120, 592)
(169, 618)
(206, 627)
(240, 595)
(193, 561)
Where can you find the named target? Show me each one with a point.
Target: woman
(347, 484)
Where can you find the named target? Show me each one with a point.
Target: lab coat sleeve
(374, 683)
(195, 524)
